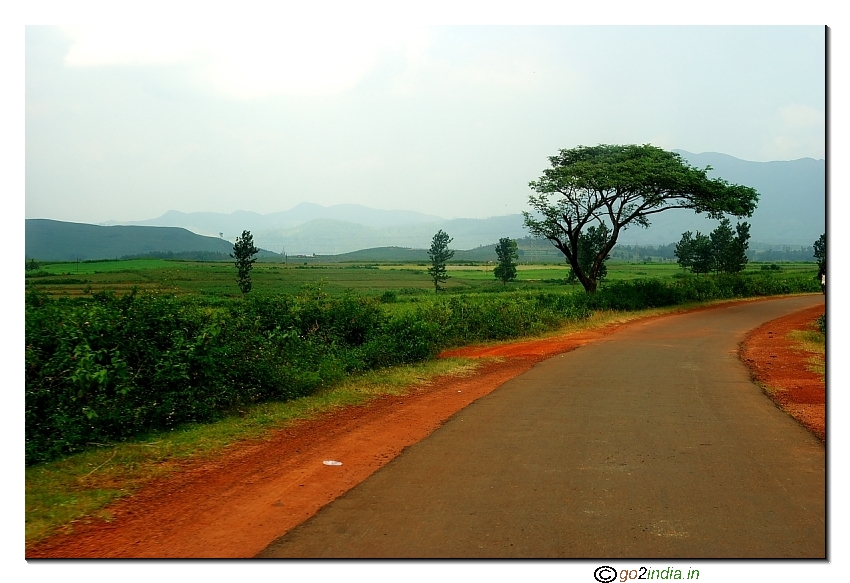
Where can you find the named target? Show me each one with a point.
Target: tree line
(723, 251)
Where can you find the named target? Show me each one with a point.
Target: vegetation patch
(82, 484)
(102, 369)
(813, 342)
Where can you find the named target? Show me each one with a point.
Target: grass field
(218, 279)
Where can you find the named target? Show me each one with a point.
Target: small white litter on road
(331, 463)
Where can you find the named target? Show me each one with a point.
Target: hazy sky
(127, 123)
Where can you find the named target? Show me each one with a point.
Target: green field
(219, 279)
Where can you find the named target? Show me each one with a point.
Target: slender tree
(721, 242)
(684, 250)
(243, 252)
(735, 257)
(439, 253)
(820, 254)
(625, 186)
(507, 253)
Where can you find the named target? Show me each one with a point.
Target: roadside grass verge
(813, 342)
(69, 489)
(605, 317)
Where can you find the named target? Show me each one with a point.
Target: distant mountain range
(791, 211)
(330, 237)
(528, 249)
(315, 229)
(231, 225)
(791, 208)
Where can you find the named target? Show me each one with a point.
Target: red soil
(236, 504)
(782, 369)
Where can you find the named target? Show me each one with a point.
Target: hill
(231, 225)
(49, 240)
(791, 208)
(333, 237)
(529, 250)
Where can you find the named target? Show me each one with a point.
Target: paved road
(650, 443)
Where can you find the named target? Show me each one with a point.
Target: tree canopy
(506, 251)
(694, 252)
(723, 251)
(730, 247)
(622, 186)
(243, 252)
(820, 254)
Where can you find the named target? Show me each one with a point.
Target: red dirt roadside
(782, 369)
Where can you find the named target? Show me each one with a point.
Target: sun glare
(248, 62)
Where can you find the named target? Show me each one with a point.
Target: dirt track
(237, 505)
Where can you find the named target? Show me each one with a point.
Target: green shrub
(654, 293)
(389, 297)
(105, 368)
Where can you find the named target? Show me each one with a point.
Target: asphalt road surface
(651, 443)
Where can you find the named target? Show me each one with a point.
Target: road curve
(650, 443)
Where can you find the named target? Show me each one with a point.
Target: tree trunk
(572, 259)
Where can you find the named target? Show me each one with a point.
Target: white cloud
(473, 72)
(251, 61)
(97, 46)
(802, 116)
(800, 133)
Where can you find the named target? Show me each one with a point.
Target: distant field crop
(218, 278)
(90, 267)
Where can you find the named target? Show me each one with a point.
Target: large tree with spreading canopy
(621, 186)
